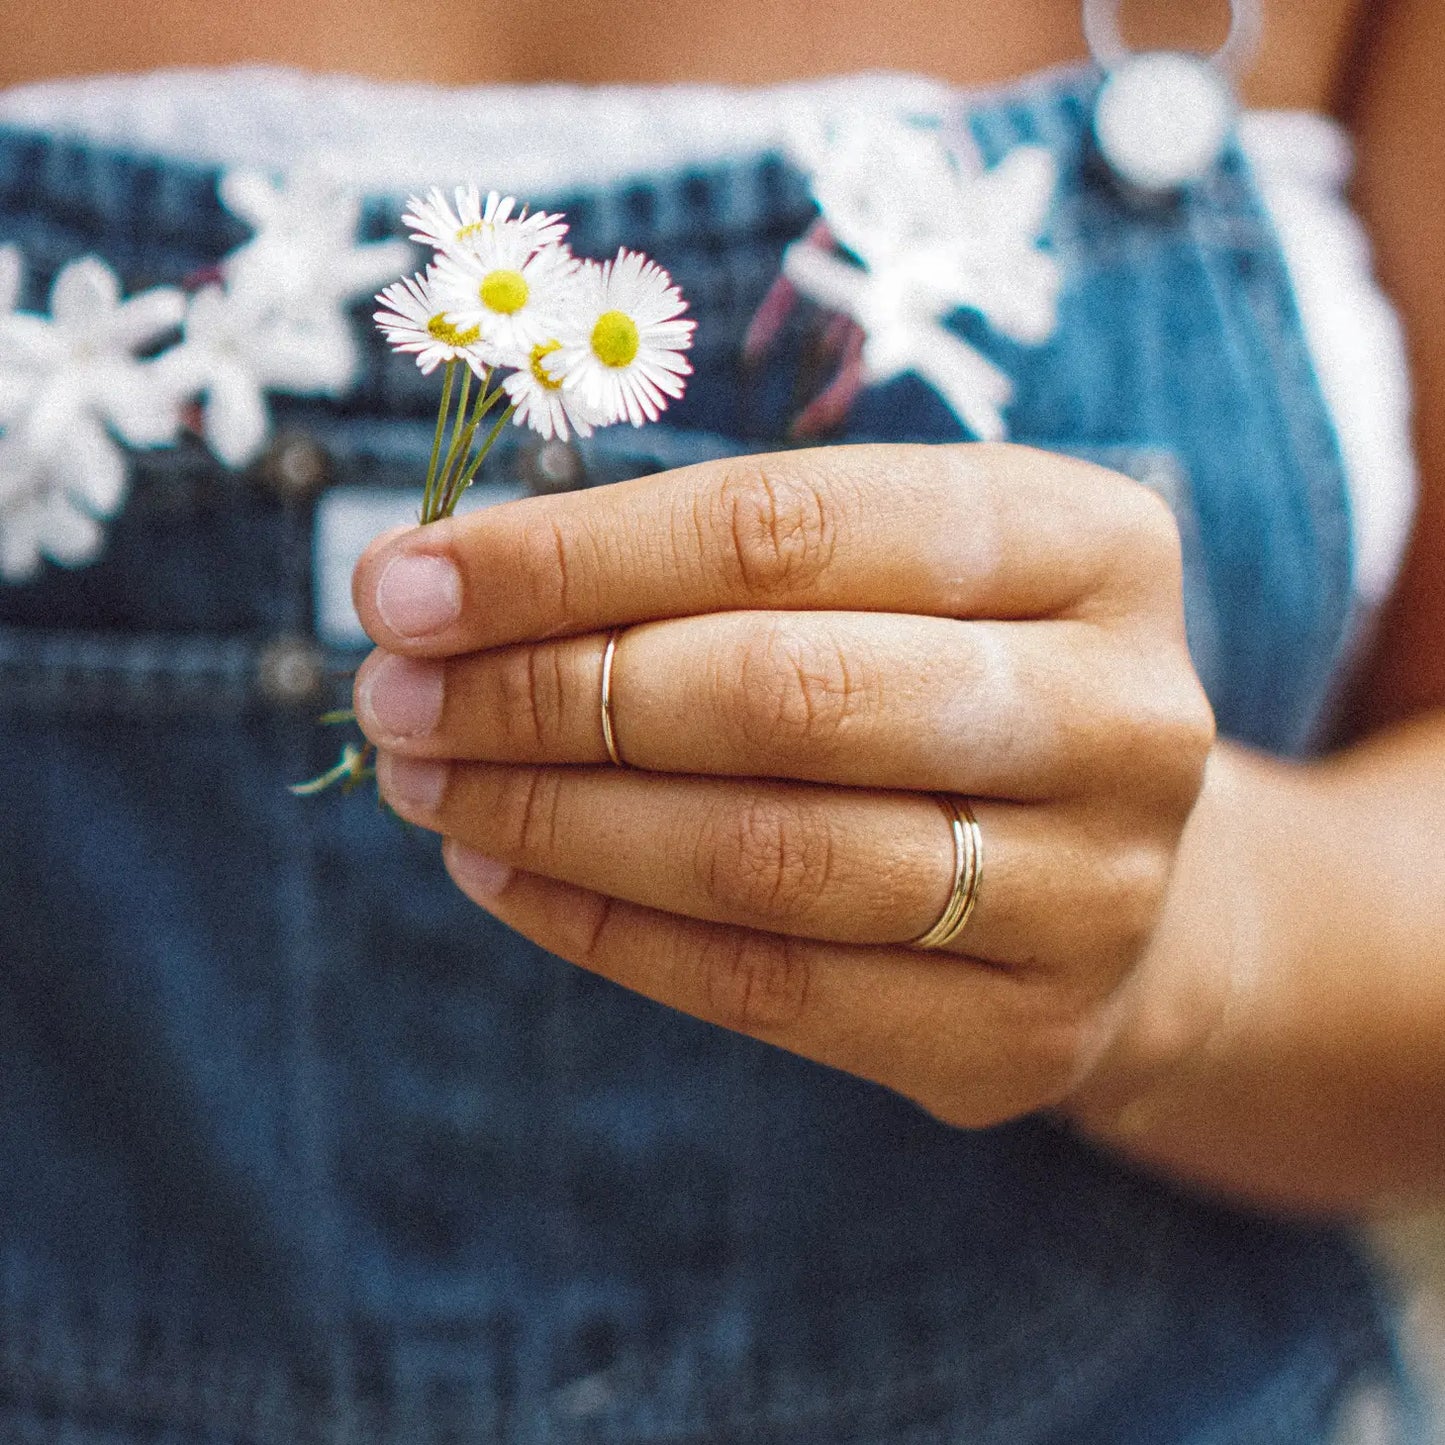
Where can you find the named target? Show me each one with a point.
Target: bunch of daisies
(537, 336)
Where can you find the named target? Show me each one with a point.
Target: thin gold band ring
(967, 873)
(609, 733)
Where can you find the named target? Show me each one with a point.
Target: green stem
(461, 471)
(433, 512)
(487, 445)
(347, 772)
(436, 446)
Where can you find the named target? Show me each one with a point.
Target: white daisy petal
(513, 299)
(414, 321)
(460, 230)
(543, 404)
(623, 337)
(437, 224)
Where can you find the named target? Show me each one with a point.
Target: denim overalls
(298, 1146)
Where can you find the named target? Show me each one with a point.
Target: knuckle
(1149, 524)
(529, 685)
(1198, 729)
(594, 925)
(779, 533)
(1165, 737)
(528, 814)
(796, 692)
(1143, 554)
(766, 861)
(1057, 1044)
(1129, 900)
(1190, 737)
(546, 569)
(755, 983)
(1047, 1048)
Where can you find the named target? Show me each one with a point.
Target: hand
(815, 645)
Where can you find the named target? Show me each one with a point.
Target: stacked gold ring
(967, 871)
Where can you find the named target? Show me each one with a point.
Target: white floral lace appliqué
(913, 231)
(76, 385)
(70, 384)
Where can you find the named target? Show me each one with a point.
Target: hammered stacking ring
(967, 872)
(609, 735)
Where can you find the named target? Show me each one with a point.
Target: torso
(969, 42)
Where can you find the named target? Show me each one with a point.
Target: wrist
(1179, 1011)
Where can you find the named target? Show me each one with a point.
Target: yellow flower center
(615, 339)
(546, 348)
(475, 229)
(443, 330)
(503, 291)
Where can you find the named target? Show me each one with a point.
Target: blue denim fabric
(298, 1146)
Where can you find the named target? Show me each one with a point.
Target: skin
(1225, 967)
(971, 42)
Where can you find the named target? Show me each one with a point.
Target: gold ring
(967, 872)
(609, 735)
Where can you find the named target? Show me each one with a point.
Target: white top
(540, 139)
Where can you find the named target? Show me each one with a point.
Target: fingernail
(413, 782)
(477, 875)
(419, 594)
(402, 696)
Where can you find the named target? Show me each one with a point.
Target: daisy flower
(620, 350)
(511, 294)
(462, 229)
(414, 322)
(542, 404)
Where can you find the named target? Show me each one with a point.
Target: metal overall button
(1162, 119)
(296, 467)
(551, 466)
(290, 671)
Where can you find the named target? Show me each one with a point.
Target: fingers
(973, 1045)
(850, 698)
(846, 865)
(949, 531)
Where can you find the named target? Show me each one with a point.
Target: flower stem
(353, 769)
(481, 456)
(466, 465)
(436, 446)
(433, 512)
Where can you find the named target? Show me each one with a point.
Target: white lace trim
(1302, 163)
(377, 137)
